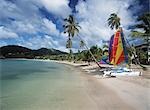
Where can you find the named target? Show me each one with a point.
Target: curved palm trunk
(91, 53)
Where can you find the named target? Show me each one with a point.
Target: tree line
(72, 28)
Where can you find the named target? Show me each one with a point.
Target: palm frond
(82, 43)
(113, 21)
(71, 27)
(145, 25)
(136, 34)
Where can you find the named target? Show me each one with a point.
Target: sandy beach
(120, 93)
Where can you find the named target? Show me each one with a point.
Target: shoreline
(133, 91)
(128, 93)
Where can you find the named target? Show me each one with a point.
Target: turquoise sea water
(39, 85)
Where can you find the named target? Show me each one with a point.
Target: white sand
(121, 93)
(134, 94)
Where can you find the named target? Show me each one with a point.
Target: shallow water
(40, 85)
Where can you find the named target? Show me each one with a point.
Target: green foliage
(113, 21)
(97, 52)
(82, 44)
(70, 27)
(137, 34)
(144, 24)
(105, 49)
(142, 55)
(135, 55)
(14, 51)
(105, 46)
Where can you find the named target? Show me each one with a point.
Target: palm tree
(105, 46)
(97, 52)
(69, 43)
(72, 28)
(82, 43)
(105, 49)
(114, 21)
(145, 25)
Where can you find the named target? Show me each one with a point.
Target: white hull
(122, 72)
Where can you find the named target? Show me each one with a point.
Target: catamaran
(118, 56)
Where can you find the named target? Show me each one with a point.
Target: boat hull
(123, 73)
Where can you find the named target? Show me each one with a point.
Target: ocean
(40, 85)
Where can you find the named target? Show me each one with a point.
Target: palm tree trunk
(91, 53)
(148, 50)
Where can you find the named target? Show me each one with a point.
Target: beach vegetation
(71, 27)
(114, 21)
(142, 30)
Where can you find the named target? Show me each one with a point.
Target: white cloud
(19, 9)
(6, 33)
(24, 15)
(57, 7)
(23, 27)
(8, 9)
(51, 27)
(27, 17)
(37, 42)
(93, 15)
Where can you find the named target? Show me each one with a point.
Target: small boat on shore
(121, 71)
(118, 56)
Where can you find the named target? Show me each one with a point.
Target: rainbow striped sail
(117, 49)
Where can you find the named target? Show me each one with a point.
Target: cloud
(23, 22)
(50, 27)
(24, 18)
(93, 14)
(19, 9)
(8, 9)
(57, 7)
(21, 16)
(23, 27)
(6, 33)
(37, 42)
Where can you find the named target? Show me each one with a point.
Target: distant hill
(45, 51)
(14, 51)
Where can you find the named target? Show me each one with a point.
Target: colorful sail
(117, 49)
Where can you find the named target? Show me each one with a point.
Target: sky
(39, 23)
